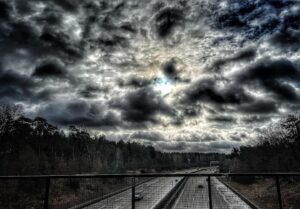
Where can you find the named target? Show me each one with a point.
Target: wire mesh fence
(260, 191)
(66, 193)
(290, 191)
(152, 191)
(22, 193)
(194, 194)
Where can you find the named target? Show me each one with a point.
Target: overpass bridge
(198, 189)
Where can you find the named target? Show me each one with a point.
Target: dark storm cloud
(268, 16)
(209, 138)
(15, 86)
(147, 135)
(238, 137)
(197, 137)
(206, 90)
(235, 138)
(281, 4)
(80, 113)
(135, 81)
(113, 41)
(283, 91)
(10, 77)
(256, 119)
(171, 71)
(40, 35)
(291, 19)
(50, 68)
(51, 17)
(60, 42)
(23, 33)
(276, 78)
(191, 111)
(244, 55)
(270, 75)
(91, 91)
(222, 119)
(166, 20)
(69, 5)
(45, 95)
(286, 40)
(225, 19)
(5, 9)
(23, 7)
(142, 105)
(268, 69)
(259, 107)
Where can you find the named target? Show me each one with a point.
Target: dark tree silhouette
(277, 150)
(37, 147)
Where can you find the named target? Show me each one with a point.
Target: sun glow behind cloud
(164, 85)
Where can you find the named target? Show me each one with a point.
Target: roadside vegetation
(277, 150)
(262, 192)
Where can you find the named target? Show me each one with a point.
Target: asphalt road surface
(153, 191)
(195, 195)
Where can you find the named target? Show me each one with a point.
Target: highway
(153, 191)
(194, 197)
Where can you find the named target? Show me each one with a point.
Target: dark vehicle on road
(138, 196)
(200, 186)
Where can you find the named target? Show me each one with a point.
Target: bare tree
(8, 113)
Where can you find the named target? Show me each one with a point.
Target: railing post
(47, 188)
(133, 194)
(278, 192)
(209, 192)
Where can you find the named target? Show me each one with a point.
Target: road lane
(192, 196)
(232, 201)
(153, 191)
(195, 196)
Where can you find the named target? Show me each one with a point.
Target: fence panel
(88, 192)
(290, 191)
(194, 194)
(145, 191)
(22, 193)
(260, 191)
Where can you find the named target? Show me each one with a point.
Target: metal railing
(163, 187)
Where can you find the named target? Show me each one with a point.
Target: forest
(276, 150)
(34, 146)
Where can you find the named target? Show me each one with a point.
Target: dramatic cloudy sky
(182, 75)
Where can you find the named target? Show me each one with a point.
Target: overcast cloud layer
(201, 75)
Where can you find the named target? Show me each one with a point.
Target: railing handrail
(148, 175)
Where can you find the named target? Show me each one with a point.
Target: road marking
(153, 183)
(118, 199)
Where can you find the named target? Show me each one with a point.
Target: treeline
(37, 147)
(277, 150)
